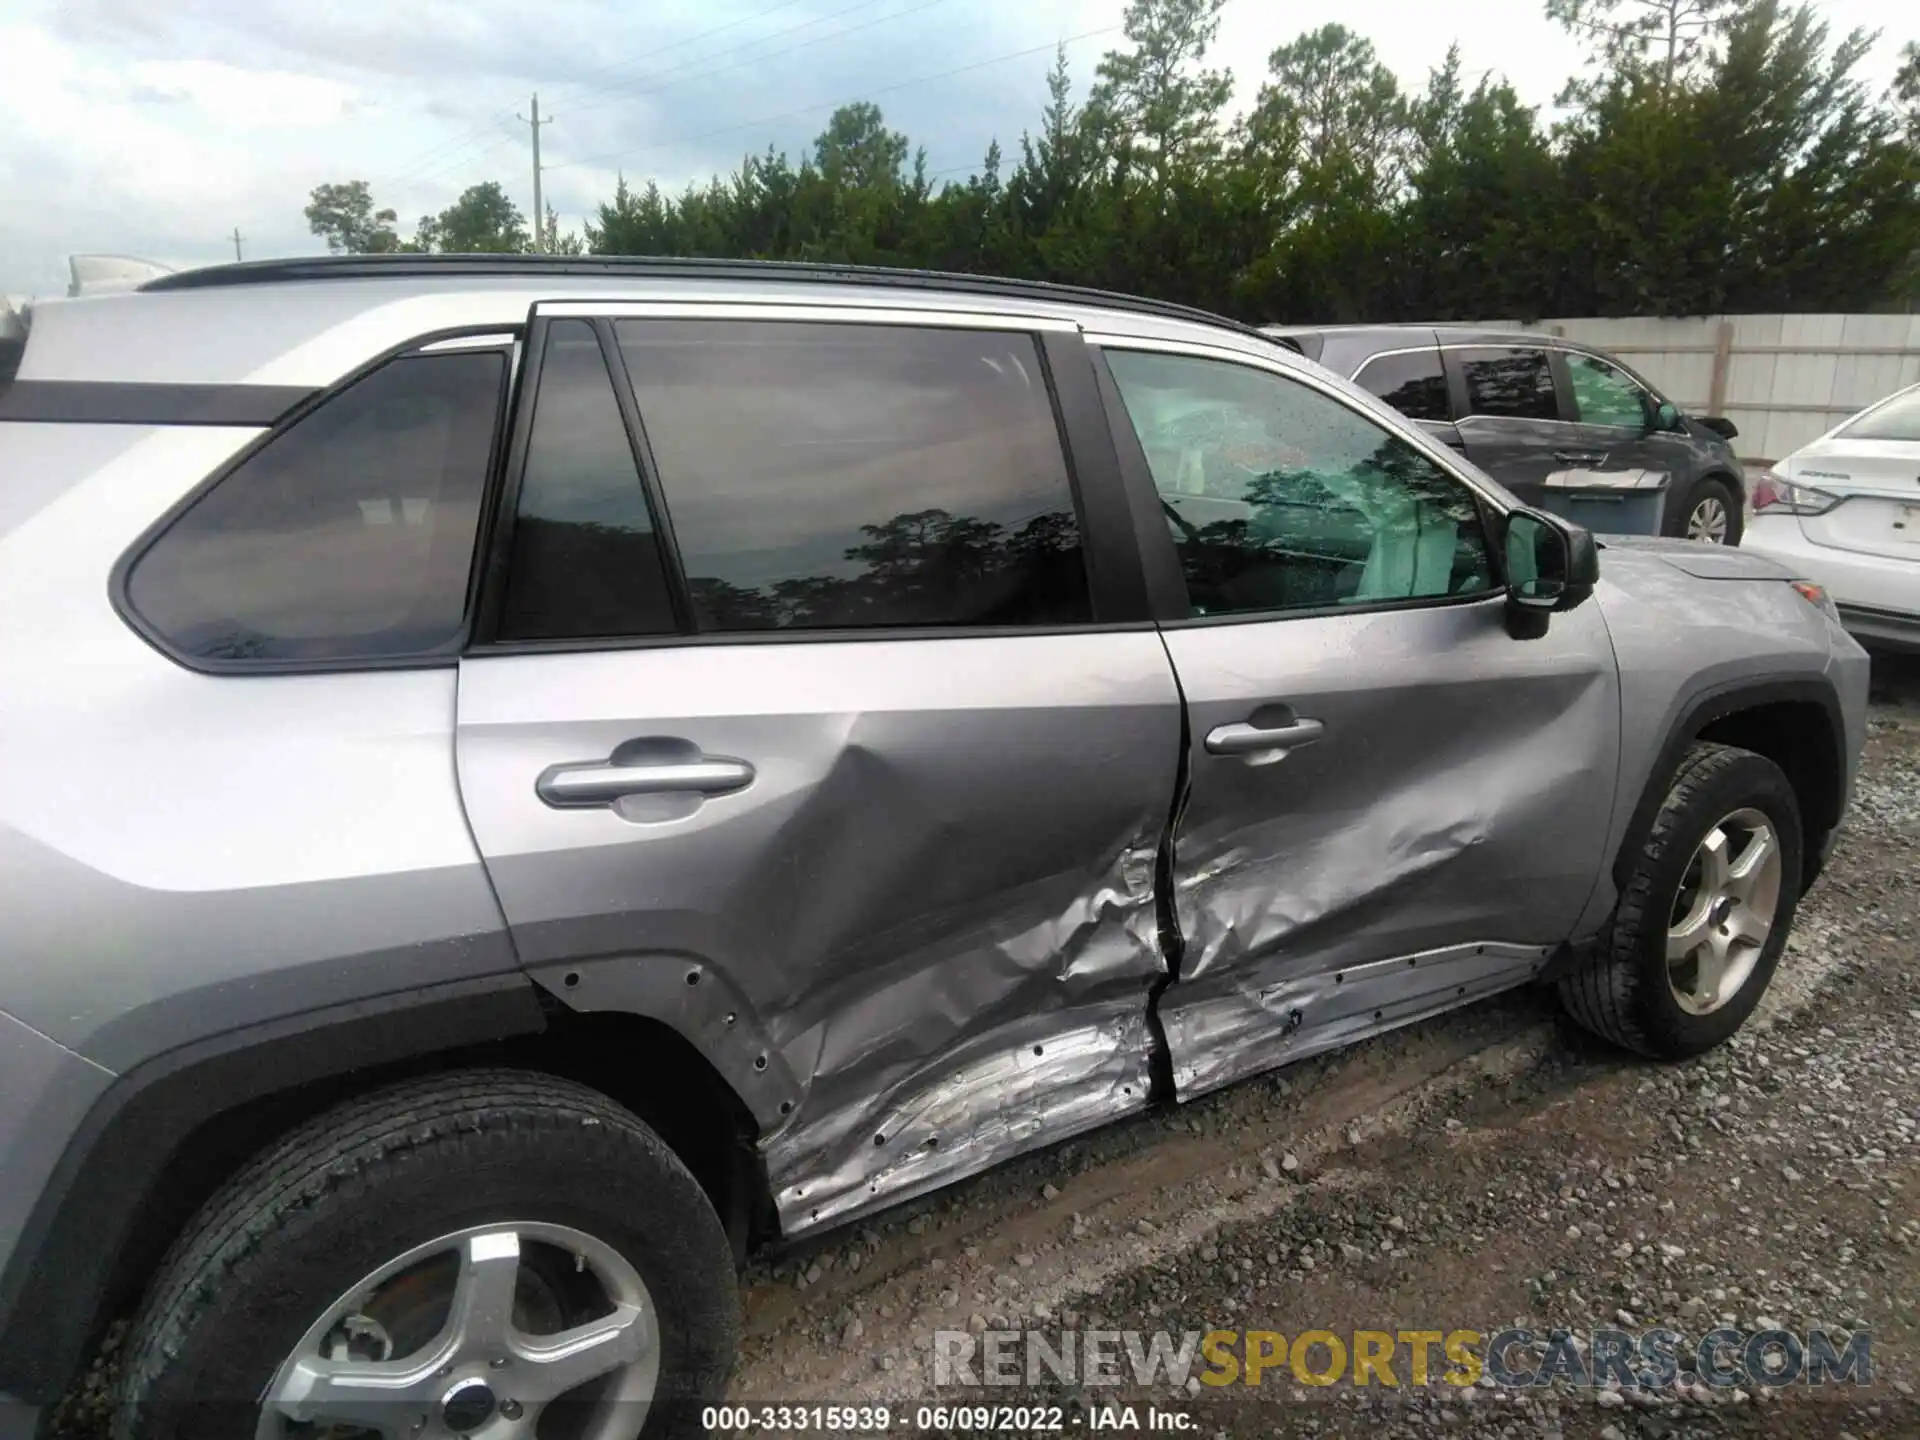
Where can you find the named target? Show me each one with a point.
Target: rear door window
(1511, 383)
(348, 536)
(1413, 382)
(823, 476)
(586, 561)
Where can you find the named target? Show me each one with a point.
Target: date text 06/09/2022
(941, 1419)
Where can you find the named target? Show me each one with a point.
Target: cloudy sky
(155, 127)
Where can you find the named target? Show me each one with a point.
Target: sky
(156, 128)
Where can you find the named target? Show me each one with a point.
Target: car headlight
(1817, 596)
(1774, 493)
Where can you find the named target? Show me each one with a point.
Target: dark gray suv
(1522, 405)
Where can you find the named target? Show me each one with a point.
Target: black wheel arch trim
(1718, 703)
(59, 1280)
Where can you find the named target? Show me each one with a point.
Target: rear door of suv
(817, 706)
(1510, 414)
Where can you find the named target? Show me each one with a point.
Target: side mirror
(1552, 565)
(1666, 416)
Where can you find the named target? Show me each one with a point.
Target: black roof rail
(386, 267)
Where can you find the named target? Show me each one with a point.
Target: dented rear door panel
(930, 915)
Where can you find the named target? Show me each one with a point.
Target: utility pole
(539, 210)
(236, 242)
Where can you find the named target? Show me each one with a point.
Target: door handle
(1580, 457)
(568, 787)
(1246, 739)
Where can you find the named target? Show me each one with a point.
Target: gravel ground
(1492, 1167)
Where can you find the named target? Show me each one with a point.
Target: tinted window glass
(586, 561)
(1603, 395)
(348, 536)
(1517, 383)
(1282, 498)
(845, 475)
(1414, 384)
(1897, 419)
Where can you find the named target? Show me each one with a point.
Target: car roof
(309, 321)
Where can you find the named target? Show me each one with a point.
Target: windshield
(1895, 419)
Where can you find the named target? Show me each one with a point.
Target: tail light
(1773, 493)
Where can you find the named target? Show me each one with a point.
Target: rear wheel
(1711, 513)
(492, 1253)
(1705, 911)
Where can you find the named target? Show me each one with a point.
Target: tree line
(1711, 156)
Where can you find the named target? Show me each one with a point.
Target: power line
(442, 158)
(834, 104)
(586, 80)
(620, 93)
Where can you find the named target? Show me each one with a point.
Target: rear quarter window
(348, 536)
(1412, 382)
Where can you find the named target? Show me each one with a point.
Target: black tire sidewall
(1749, 781)
(1717, 487)
(562, 1174)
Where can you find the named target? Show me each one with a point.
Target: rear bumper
(1878, 597)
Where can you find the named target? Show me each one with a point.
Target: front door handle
(1246, 739)
(1580, 457)
(568, 787)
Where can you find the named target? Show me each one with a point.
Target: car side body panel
(934, 900)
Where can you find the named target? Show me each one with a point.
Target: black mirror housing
(1552, 564)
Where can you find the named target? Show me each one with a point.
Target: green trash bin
(1608, 502)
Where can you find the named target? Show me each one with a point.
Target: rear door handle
(1580, 457)
(1246, 739)
(569, 787)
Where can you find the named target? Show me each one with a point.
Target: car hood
(1638, 554)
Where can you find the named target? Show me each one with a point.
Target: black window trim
(444, 656)
(1117, 590)
(1173, 607)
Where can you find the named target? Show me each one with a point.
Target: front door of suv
(1392, 805)
(799, 725)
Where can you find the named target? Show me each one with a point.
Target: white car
(1844, 511)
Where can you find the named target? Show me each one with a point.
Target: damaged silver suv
(521, 780)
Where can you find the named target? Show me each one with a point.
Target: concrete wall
(1783, 379)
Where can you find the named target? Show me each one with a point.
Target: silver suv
(522, 780)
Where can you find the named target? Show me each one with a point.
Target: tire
(1627, 994)
(1719, 490)
(275, 1252)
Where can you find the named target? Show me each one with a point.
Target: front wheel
(495, 1253)
(1711, 513)
(1704, 913)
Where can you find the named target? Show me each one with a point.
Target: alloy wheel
(1709, 521)
(504, 1332)
(1724, 912)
